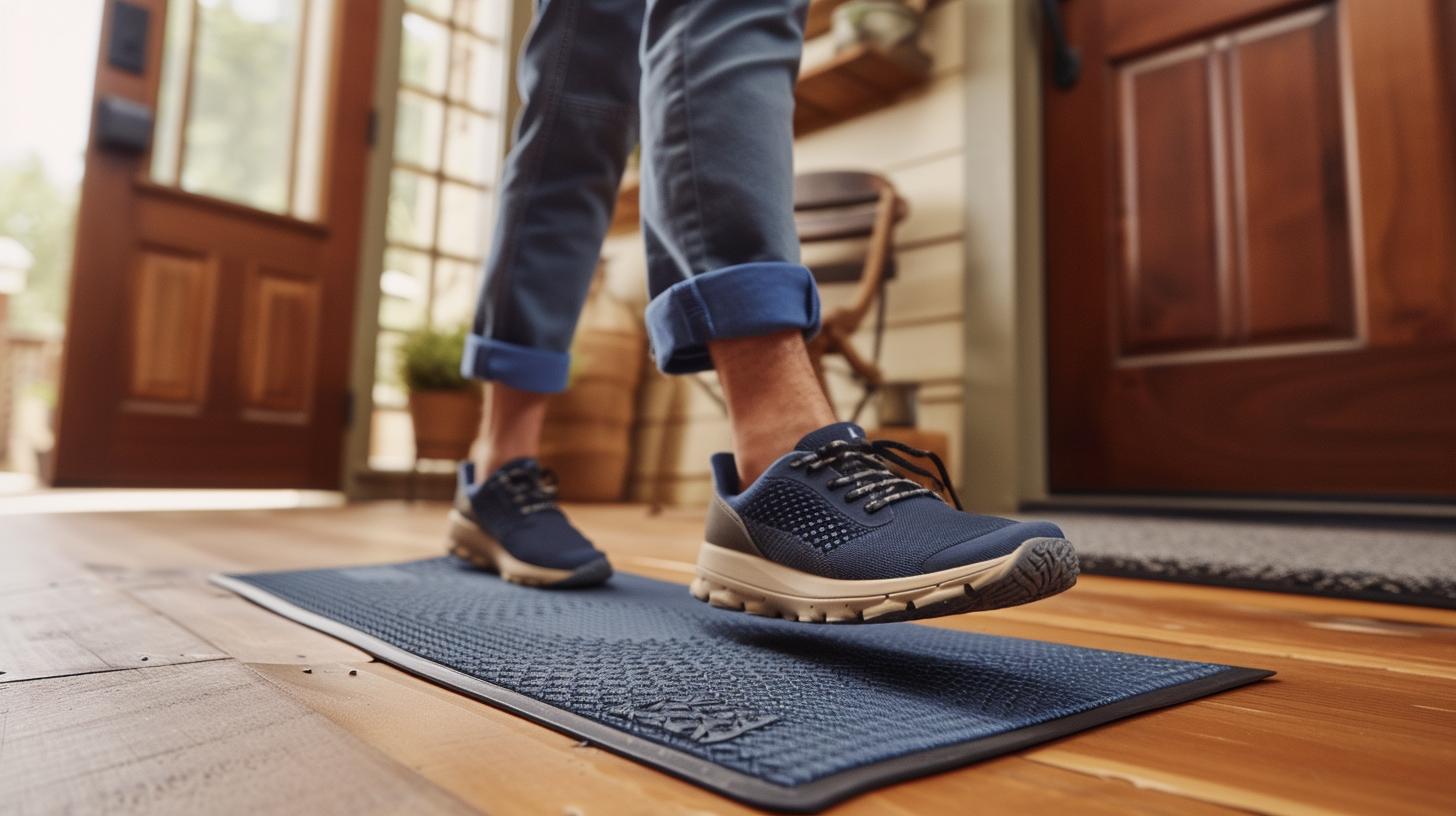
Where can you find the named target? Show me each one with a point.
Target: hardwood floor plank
(1361, 718)
(1263, 599)
(200, 738)
(29, 558)
(1322, 636)
(81, 625)
(241, 629)
(1334, 738)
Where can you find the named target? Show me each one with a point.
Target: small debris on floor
(308, 671)
(145, 659)
(352, 672)
(582, 744)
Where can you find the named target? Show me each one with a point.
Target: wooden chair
(838, 206)
(843, 205)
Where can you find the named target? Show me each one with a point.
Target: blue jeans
(710, 85)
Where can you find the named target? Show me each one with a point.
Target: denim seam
(604, 110)
(700, 305)
(536, 161)
(695, 235)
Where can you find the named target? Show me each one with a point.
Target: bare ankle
(510, 429)
(773, 396)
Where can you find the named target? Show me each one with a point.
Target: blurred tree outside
(241, 113)
(40, 213)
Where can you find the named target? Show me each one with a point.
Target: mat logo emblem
(700, 719)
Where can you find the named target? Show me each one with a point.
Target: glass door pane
(243, 96)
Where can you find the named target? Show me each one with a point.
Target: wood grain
(1361, 717)
(1173, 281)
(241, 629)
(141, 407)
(1137, 26)
(1331, 363)
(204, 738)
(82, 626)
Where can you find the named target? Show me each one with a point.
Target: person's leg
(717, 214)
(810, 520)
(510, 427)
(579, 84)
(578, 78)
(773, 397)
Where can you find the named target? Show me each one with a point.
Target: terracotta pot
(445, 422)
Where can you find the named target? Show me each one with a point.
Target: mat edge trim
(809, 797)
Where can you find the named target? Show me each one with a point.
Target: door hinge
(349, 409)
(1066, 60)
(371, 128)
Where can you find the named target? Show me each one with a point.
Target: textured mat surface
(1397, 562)
(777, 714)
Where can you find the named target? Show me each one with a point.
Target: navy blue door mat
(781, 715)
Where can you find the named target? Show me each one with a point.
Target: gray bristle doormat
(781, 715)
(1402, 562)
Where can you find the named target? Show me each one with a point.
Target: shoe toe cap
(998, 542)
(551, 545)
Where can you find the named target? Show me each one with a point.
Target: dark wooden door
(1251, 253)
(212, 295)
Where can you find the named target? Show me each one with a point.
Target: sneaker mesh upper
(797, 509)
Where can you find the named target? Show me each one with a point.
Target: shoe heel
(465, 542)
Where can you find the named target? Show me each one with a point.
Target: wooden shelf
(820, 17)
(857, 81)
(821, 14)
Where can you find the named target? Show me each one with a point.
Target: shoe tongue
(525, 463)
(847, 431)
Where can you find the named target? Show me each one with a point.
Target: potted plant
(444, 405)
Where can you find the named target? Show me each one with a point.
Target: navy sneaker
(510, 523)
(832, 533)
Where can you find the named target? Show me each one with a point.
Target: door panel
(212, 292)
(172, 326)
(1236, 224)
(280, 331)
(1239, 301)
(1173, 270)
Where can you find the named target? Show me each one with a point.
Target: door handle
(123, 126)
(1066, 62)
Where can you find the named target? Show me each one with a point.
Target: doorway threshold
(1340, 510)
(162, 500)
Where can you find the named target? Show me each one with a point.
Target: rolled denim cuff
(529, 369)
(746, 300)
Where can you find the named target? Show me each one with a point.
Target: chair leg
(817, 348)
(862, 368)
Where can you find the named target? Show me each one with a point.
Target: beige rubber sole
(734, 580)
(469, 542)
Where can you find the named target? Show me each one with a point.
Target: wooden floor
(131, 685)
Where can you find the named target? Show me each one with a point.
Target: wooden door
(1251, 252)
(212, 295)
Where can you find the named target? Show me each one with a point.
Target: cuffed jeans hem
(746, 300)
(529, 369)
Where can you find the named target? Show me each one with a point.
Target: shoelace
(863, 463)
(531, 489)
